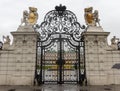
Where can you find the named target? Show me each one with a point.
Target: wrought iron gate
(60, 49)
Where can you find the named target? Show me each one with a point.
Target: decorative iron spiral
(60, 21)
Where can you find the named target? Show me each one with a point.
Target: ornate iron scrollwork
(60, 21)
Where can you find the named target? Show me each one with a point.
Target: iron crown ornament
(60, 9)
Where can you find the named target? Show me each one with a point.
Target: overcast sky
(11, 12)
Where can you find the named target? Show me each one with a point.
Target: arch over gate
(60, 49)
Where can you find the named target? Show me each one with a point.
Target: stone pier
(17, 62)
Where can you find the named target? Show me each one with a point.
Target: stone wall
(100, 58)
(7, 66)
(17, 63)
(113, 66)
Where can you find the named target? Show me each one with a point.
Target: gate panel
(70, 68)
(50, 68)
(60, 49)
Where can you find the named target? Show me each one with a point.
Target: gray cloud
(11, 12)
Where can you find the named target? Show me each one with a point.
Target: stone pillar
(95, 55)
(24, 45)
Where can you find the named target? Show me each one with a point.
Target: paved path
(64, 87)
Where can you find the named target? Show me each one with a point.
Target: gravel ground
(64, 87)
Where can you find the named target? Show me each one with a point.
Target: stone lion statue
(114, 40)
(96, 18)
(114, 43)
(91, 18)
(31, 17)
(24, 20)
(6, 40)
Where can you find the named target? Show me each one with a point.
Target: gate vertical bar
(79, 64)
(41, 65)
(76, 65)
(84, 62)
(35, 76)
(60, 60)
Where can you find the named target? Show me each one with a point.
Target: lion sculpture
(91, 18)
(31, 17)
